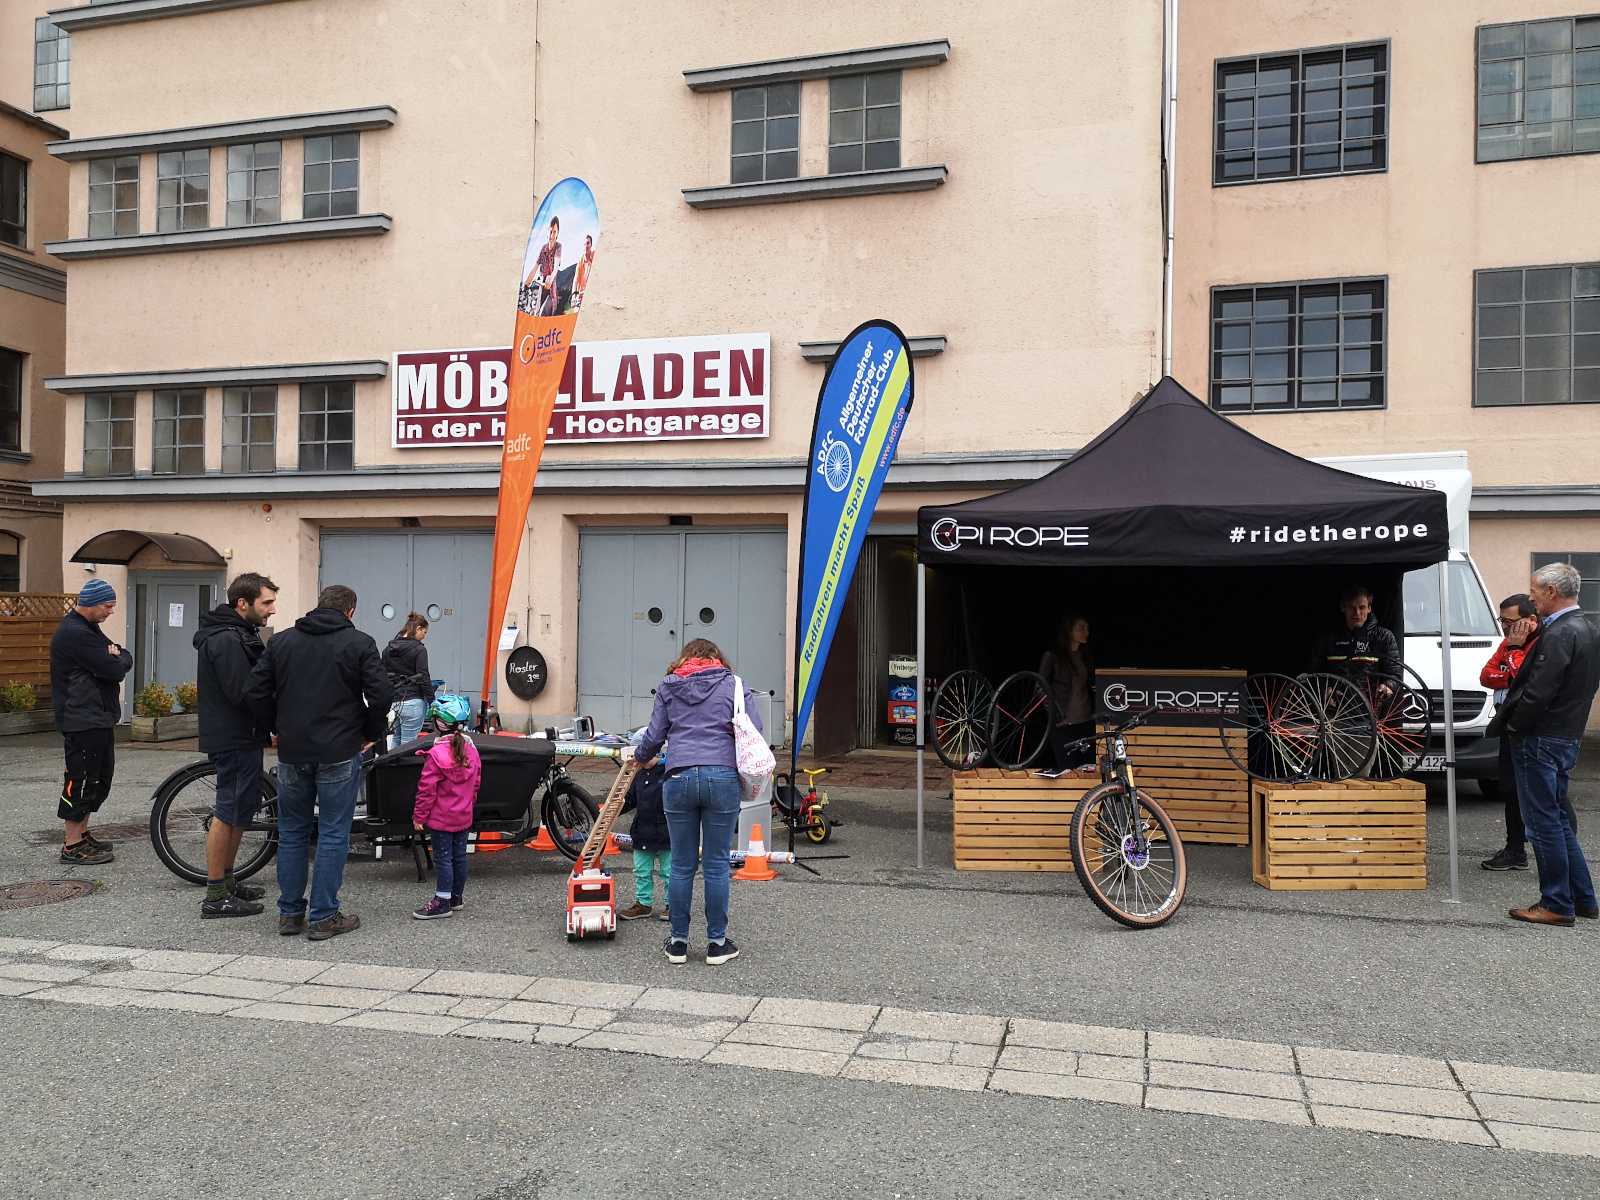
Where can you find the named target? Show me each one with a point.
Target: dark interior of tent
(1002, 619)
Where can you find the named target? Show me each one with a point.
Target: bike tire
(959, 720)
(1269, 728)
(569, 813)
(181, 813)
(1404, 726)
(1107, 808)
(1348, 738)
(1019, 725)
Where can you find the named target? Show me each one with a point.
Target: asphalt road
(141, 1103)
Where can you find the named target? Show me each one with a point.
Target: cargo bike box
(514, 769)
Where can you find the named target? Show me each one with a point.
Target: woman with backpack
(694, 707)
(406, 661)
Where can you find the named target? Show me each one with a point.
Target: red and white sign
(647, 390)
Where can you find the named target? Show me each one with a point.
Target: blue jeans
(1543, 765)
(702, 806)
(449, 862)
(325, 793)
(408, 716)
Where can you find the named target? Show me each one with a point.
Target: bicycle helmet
(447, 711)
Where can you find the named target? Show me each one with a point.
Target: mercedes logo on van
(943, 533)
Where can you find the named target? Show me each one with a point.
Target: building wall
(16, 52)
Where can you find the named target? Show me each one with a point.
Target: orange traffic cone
(755, 861)
(610, 847)
(543, 841)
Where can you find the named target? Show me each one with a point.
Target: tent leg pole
(922, 644)
(1445, 650)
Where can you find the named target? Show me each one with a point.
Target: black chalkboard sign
(526, 673)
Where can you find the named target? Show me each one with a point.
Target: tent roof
(1173, 483)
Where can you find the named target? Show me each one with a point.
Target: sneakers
(1507, 860)
(291, 926)
(231, 905)
(720, 952)
(634, 911)
(333, 927)
(457, 903)
(248, 891)
(665, 914)
(96, 842)
(86, 854)
(436, 907)
(677, 952)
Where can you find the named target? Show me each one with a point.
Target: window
(249, 429)
(333, 175)
(1470, 611)
(183, 190)
(114, 196)
(52, 66)
(1538, 88)
(1297, 346)
(253, 182)
(1538, 336)
(1315, 112)
(10, 563)
(327, 426)
(10, 400)
(179, 430)
(13, 201)
(1588, 571)
(864, 122)
(108, 433)
(766, 133)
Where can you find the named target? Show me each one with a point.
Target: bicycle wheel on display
(569, 814)
(180, 820)
(1269, 728)
(1404, 716)
(959, 720)
(1019, 725)
(1140, 887)
(1348, 737)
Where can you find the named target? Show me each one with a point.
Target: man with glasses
(1520, 624)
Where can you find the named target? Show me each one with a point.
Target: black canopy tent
(1187, 541)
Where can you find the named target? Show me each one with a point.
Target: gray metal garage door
(443, 573)
(644, 594)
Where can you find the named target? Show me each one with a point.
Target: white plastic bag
(756, 764)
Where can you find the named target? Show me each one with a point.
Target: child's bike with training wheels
(803, 811)
(1125, 849)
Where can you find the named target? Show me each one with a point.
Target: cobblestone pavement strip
(1480, 1104)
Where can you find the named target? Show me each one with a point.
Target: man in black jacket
(1361, 646)
(232, 735)
(322, 689)
(1544, 715)
(86, 672)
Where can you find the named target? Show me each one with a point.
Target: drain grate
(132, 831)
(49, 891)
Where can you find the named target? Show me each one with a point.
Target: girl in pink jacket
(451, 772)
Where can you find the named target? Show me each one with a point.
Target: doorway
(166, 615)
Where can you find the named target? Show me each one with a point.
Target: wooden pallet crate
(1188, 771)
(1014, 820)
(1357, 835)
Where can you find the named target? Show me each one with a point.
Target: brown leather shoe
(634, 911)
(292, 926)
(1539, 916)
(1589, 914)
(349, 922)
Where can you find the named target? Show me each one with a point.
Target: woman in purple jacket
(694, 707)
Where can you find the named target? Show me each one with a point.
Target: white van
(1474, 620)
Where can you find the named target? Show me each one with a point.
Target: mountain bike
(1125, 849)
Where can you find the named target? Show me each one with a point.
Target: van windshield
(1469, 607)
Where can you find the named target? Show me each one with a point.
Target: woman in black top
(1068, 670)
(406, 661)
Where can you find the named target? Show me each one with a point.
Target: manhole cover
(49, 891)
(133, 831)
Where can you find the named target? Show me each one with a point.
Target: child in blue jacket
(652, 844)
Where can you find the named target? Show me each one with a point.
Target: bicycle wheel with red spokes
(1405, 723)
(1020, 720)
(1270, 728)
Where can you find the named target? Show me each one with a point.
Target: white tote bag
(756, 764)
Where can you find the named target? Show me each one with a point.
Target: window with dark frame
(1588, 572)
(13, 200)
(178, 429)
(864, 122)
(1537, 336)
(108, 433)
(1310, 112)
(52, 66)
(10, 400)
(249, 430)
(332, 176)
(254, 182)
(183, 190)
(1538, 88)
(327, 426)
(114, 196)
(1298, 346)
(766, 133)
(10, 562)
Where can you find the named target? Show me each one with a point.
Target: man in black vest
(232, 735)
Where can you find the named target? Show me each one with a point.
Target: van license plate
(1431, 762)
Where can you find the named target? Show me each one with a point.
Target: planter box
(40, 720)
(1349, 836)
(166, 729)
